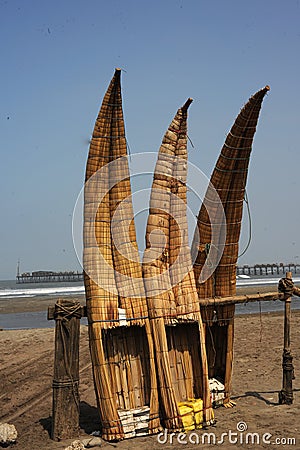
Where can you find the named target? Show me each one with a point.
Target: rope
(115, 119)
(237, 148)
(61, 383)
(250, 225)
(180, 131)
(286, 285)
(244, 126)
(73, 310)
(230, 171)
(207, 261)
(108, 137)
(190, 140)
(239, 137)
(119, 421)
(235, 158)
(287, 361)
(247, 118)
(112, 104)
(165, 316)
(287, 365)
(108, 157)
(218, 223)
(217, 200)
(128, 149)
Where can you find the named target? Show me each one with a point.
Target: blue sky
(57, 60)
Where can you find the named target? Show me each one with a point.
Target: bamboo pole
(286, 394)
(234, 299)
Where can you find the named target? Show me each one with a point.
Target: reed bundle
(169, 281)
(122, 357)
(229, 181)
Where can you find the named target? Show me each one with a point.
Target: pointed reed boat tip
(118, 72)
(187, 104)
(267, 88)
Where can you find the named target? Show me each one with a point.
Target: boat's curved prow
(225, 194)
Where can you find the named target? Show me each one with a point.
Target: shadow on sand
(88, 419)
(261, 397)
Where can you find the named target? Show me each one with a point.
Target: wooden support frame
(286, 290)
(235, 299)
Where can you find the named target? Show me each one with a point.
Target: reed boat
(171, 292)
(228, 180)
(121, 343)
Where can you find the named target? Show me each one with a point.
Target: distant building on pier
(47, 276)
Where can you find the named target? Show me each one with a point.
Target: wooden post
(286, 394)
(65, 406)
(229, 361)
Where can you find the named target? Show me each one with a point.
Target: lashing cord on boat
(250, 225)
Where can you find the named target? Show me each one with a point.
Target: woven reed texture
(114, 214)
(166, 239)
(229, 181)
(167, 223)
(113, 277)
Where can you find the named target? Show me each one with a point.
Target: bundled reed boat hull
(229, 181)
(170, 286)
(122, 356)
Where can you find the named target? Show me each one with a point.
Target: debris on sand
(8, 434)
(76, 445)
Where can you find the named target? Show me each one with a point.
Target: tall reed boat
(171, 292)
(227, 191)
(121, 343)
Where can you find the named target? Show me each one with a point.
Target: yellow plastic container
(186, 412)
(198, 412)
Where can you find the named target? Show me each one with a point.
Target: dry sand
(26, 369)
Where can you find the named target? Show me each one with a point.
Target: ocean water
(9, 289)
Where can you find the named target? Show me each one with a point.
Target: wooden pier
(257, 269)
(49, 277)
(268, 269)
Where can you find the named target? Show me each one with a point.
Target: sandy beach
(27, 368)
(41, 303)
